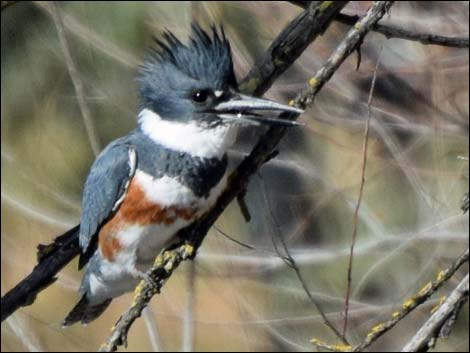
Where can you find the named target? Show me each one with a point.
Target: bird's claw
(147, 278)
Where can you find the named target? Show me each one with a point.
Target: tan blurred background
(410, 223)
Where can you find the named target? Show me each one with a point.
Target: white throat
(188, 137)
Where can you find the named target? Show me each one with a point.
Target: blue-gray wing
(105, 188)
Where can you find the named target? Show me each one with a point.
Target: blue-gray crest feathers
(172, 70)
(205, 57)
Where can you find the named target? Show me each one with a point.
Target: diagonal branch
(289, 44)
(426, 337)
(412, 303)
(352, 42)
(407, 307)
(393, 31)
(194, 234)
(51, 259)
(65, 247)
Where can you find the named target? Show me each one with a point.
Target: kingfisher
(147, 185)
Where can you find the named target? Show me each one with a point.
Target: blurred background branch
(76, 80)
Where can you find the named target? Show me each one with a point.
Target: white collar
(188, 137)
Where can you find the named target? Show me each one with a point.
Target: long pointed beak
(242, 108)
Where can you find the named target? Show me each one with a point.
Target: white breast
(148, 240)
(170, 192)
(188, 137)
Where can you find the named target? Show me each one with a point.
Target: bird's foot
(146, 277)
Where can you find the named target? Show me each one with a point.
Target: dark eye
(200, 96)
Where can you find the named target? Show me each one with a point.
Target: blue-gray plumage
(144, 187)
(105, 185)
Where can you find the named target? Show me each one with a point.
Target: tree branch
(289, 44)
(286, 47)
(349, 44)
(195, 234)
(359, 198)
(442, 317)
(407, 307)
(65, 247)
(392, 31)
(51, 259)
(412, 303)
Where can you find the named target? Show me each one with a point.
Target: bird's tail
(85, 312)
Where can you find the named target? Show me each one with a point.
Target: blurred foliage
(410, 221)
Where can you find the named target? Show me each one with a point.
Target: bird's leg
(139, 274)
(136, 273)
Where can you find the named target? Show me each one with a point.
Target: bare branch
(359, 198)
(289, 44)
(442, 317)
(412, 303)
(289, 260)
(51, 259)
(407, 307)
(352, 41)
(392, 31)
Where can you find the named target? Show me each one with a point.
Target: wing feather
(105, 188)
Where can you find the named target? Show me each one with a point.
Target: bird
(147, 185)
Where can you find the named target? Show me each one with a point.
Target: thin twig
(348, 45)
(446, 313)
(76, 81)
(359, 198)
(232, 239)
(393, 31)
(292, 264)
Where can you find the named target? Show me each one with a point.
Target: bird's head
(195, 83)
